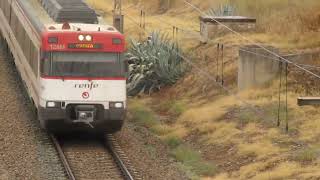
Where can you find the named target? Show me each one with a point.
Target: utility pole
(118, 18)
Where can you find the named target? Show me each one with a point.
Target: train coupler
(85, 114)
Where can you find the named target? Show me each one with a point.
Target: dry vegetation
(212, 134)
(285, 23)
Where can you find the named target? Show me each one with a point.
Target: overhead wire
(194, 32)
(277, 59)
(252, 41)
(206, 74)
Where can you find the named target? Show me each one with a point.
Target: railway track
(87, 158)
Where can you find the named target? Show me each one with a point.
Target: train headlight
(88, 38)
(116, 105)
(53, 104)
(81, 37)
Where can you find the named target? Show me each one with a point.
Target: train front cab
(83, 84)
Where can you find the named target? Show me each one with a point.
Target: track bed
(90, 158)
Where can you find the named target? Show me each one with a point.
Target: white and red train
(74, 73)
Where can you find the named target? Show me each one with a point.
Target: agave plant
(153, 64)
(222, 10)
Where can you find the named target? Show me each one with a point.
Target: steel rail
(125, 171)
(63, 158)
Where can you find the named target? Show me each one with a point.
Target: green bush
(222, 10)
(153, 64)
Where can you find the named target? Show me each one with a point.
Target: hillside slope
(213, 134)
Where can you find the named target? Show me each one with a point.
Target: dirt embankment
(147, 153)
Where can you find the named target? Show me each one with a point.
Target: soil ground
(198, 114)
(147, 153)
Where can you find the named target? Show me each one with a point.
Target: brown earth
(147, 153)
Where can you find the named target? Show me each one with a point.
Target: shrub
(222, 10)
(153, 64)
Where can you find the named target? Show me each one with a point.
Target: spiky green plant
(153, 64)
(222, 10)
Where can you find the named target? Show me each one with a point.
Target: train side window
(31, 61)
(5, 7)
(2, 4)
(36, 57)
(26, 48)
(35, 60)
(20, 34)
(7, 10)
(123, 64)
(14, 23)
(45, 64)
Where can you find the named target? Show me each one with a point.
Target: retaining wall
(254, 69)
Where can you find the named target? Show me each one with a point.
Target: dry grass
(260, 149)
(286, 25)
(211, 117)
(207, 113)
(276, 16)
(271, 146)
(262, 171)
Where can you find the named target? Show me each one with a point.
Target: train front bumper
(107, 120)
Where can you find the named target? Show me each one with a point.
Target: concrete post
(256, 66)
(1, 41)
(204, 32)
(118, 22)
(118, 18)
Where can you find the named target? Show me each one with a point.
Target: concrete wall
(210, 31)
(256, 69)
(304, 58)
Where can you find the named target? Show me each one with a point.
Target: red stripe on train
(84, 78)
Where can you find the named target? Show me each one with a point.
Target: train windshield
(82, 64)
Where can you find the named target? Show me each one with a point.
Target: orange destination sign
(85, 46)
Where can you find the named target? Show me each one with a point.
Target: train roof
(43, 22)
(35, 13)
(76, 11)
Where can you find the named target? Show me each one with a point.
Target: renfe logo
(87, 86)
(85, 95)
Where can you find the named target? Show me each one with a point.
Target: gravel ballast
(25, 151)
